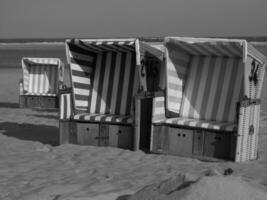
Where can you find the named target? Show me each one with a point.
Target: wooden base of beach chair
(192, 142)
(22, 101)
(42, 102)
(67, 132)
(96, 134)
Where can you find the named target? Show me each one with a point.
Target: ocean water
(10, 66)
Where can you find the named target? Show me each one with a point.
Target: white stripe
(68, 106)
(106, 83)
(78, 79)
(95, 85)
(81, 91)
(186, 103)
(62, 107)
(183, 121)
(158, 111)
(81, 103)
(35, 79)
(81, 68)
(42, 80)
(46, 77)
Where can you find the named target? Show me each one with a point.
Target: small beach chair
(211, 106)
(106, 75)
(42, 78)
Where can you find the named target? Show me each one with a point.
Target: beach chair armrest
(21, 87)
(158, 107)
(248, 114)
(66, 104)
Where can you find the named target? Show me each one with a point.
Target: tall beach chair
(211, 106)
(42, 78)
(106, 75)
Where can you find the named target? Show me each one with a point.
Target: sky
(126, 18)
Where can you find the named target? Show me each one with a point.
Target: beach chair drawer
(121, 136)
(32, 101)
(172, 140)
(198, 142)
(87, 134)
(48, 102)
(180, 141)
(160, 141)
(217, 145)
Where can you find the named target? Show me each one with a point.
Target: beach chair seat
(42, 78)
(104, 118)
(106, 76)
(210, 89)
(196, 123)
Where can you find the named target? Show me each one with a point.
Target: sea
(10, 65)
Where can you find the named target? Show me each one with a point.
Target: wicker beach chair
(211, 106)
(106, 75)
(42, 78)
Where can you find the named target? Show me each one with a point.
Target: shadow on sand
(41, 133)
(8, 105)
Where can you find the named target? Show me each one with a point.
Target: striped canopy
(207, 77)
(207, 47)
(98, 46)
(104, 75)
(41, 76)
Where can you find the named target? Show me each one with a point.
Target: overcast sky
(108, 18)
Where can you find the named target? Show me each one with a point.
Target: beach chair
(42, 78)
(211, 106)
(106, 75)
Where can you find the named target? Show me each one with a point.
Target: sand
(31, 170)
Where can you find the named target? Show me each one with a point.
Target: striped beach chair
(106, 76)
(42, 78)
(211, 105)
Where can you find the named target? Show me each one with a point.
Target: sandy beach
(34, 167)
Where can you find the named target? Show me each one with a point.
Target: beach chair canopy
(206, 78)
(41, 76)
(106, 75)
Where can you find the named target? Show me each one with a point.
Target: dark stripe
(81, 74)
(82, 86)
(208, 86)
(230, 90)
(131, 85)
(81, 97)
(81, 62)
(195, 91)
(100, 84)
(219, 89)
(78, 49)
(65, 107)
(110, 82)
(120, 84)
